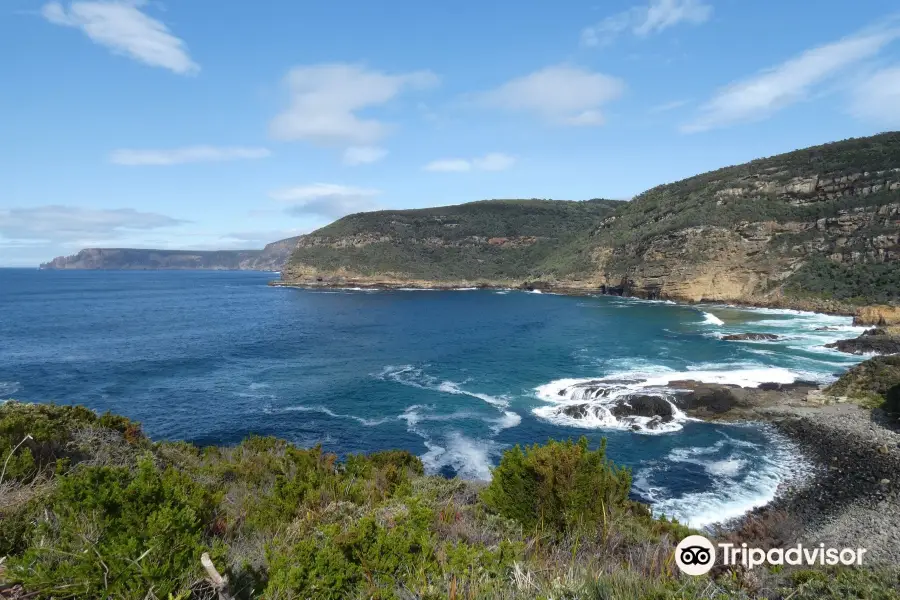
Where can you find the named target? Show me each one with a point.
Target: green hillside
(496, 239)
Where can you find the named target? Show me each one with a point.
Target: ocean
(456, 377)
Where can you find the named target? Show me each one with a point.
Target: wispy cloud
(326, 199)
(363, 155)
(562, 94)
(495, 161)
(190, 154)
(762, 95)
(668, 106)
(122, 27)
(325, 99)
(61, 224)
(877, 99)
(643, 21)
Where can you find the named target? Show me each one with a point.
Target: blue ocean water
(453, 376)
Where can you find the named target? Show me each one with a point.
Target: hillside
(496, 240)
(823, 222)
(270, 258)
(814, 226)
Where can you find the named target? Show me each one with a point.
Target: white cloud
(877, 99)
(363, 155)
(326, 199)
(325, 99)
(494, 161)
(123, 28)
(760, 96)
(642, 21)
(562, 94)
(191, 154)
(668, 106)
(68, 223)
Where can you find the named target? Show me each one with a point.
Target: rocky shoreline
(851, 498)
(879, 315)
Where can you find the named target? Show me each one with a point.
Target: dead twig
(219, 582)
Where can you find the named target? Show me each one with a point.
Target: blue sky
(215, 124)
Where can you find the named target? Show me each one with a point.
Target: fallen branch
(219, 582)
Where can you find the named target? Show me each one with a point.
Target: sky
(218, 124)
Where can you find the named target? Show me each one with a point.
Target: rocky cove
(851, 494)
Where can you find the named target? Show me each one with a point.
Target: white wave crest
(589, 403)
(742, 481)
(470, 459)
(711, 319)
(331, 413)
(9, 387)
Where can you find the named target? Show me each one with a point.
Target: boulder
(877, 315)
(644, 406)
(872, 341)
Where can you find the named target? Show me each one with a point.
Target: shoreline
(822, 307)
(852, 495)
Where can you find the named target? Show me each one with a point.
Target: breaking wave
(641, 401)
(742, 477)
(711, 319)
(9, 387)
(465, 457)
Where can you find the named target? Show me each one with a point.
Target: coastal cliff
(820, 223)
(817, 228)
(271, 258)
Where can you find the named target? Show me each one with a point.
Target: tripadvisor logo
(696, 555)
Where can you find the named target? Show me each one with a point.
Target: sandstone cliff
(817, 223)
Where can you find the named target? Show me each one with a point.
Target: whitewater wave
(9, 387)
(468, 458)
(622, 400)
(331, 413)
(462, 455)
(743, 478)
(711, 319)
(415, 377)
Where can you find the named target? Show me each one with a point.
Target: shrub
(53, 429)
(561, 485)
(116, 533)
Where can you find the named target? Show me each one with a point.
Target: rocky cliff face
(755, 233)
(271, 258)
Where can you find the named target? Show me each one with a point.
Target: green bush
(380, 554)
(116, 533)
(561, 485)
(52, 428)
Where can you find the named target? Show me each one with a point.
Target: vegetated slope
(804, 228)
(270, 258)
(820, 223)
(491, 240)
(91, 508)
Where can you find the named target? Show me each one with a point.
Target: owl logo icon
(695, 555)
